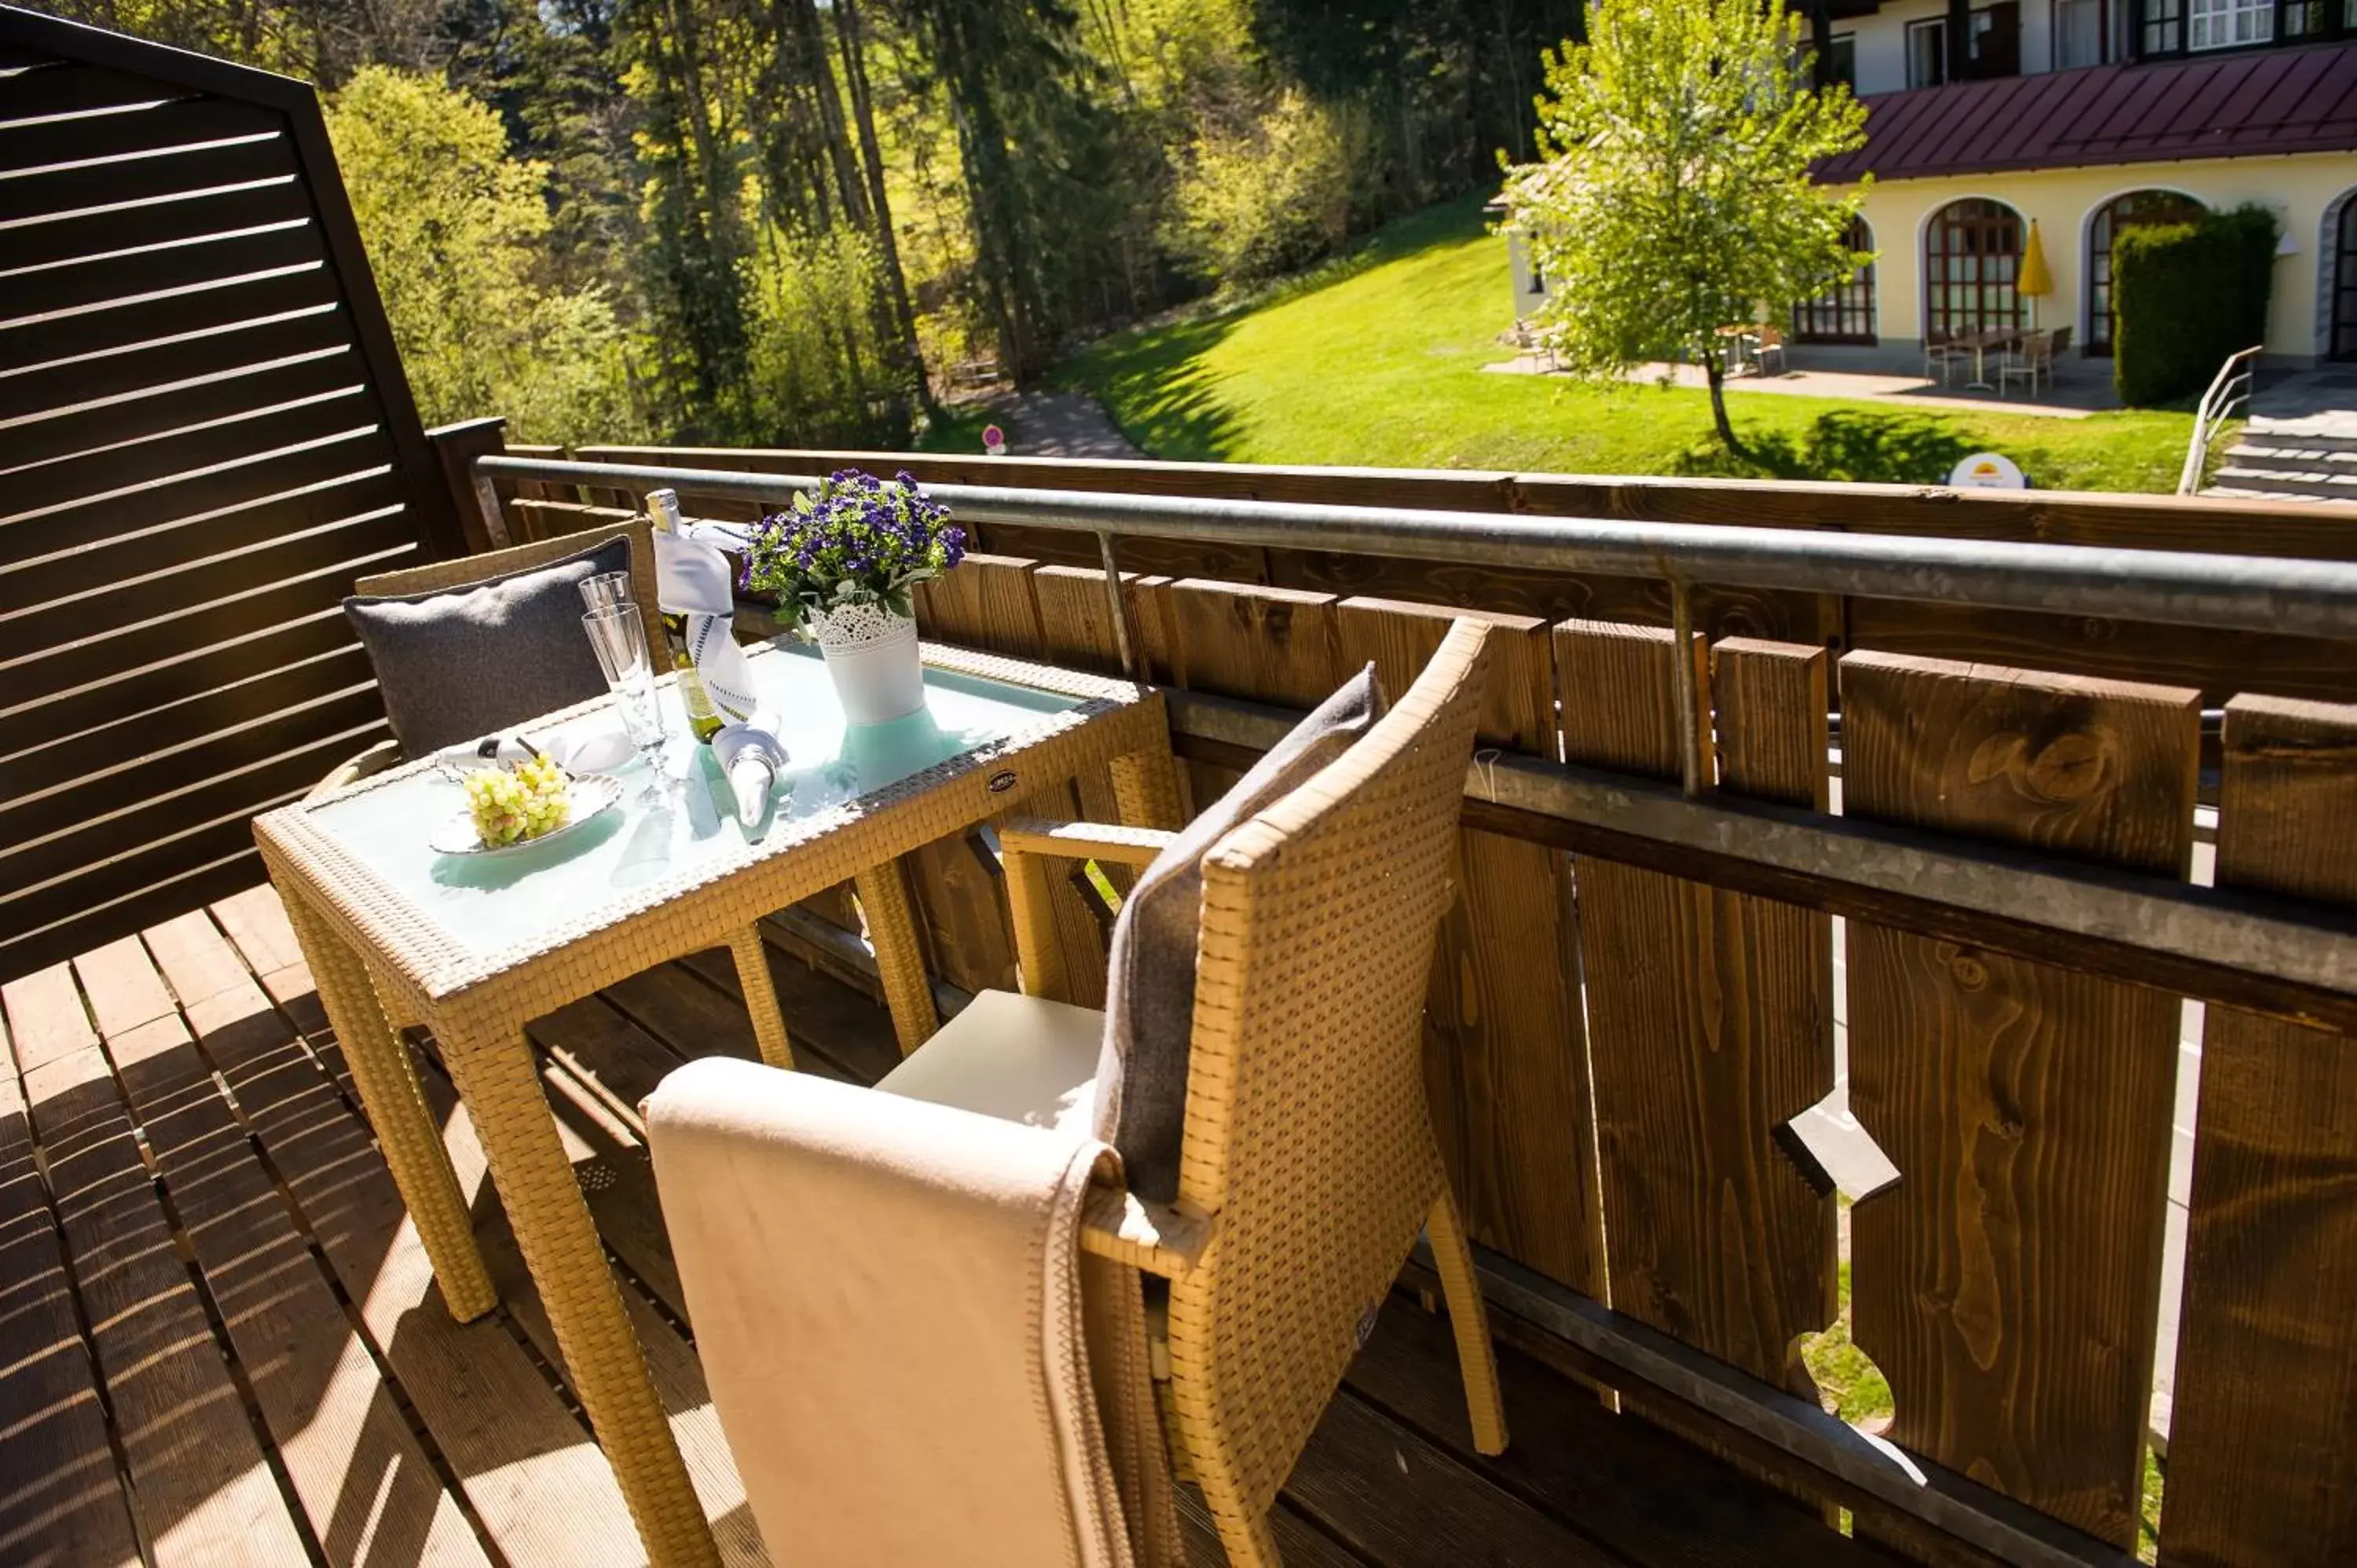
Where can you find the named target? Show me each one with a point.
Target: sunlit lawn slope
(1376, 359)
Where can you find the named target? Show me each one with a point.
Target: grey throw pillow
(1150, 1001)
(455, 664)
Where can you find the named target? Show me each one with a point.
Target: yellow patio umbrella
(2033, 280)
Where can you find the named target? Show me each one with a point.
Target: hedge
(2187, 296)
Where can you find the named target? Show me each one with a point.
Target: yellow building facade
(2310, 194)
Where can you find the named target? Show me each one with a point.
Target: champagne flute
(618, 635)
(604, 589)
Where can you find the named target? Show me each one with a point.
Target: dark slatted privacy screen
(204, 437)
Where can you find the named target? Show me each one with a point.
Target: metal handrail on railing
(2227, 388)
(2284, 960)
(2216, 592)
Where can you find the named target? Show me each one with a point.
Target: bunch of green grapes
(509, 805)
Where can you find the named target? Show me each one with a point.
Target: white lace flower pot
(872, 654)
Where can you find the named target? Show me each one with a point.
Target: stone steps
(2311, 459)
(2327, 432)
(2283, 456)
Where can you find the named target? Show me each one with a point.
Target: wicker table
(476, 950)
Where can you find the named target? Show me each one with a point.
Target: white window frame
(1851, 40)
(1937, 28)
(2228, 24)
(2104, 51)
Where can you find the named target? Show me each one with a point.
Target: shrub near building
(2188, 296)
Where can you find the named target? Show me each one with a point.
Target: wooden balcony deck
(220, 1343)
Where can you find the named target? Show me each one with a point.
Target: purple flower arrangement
(854, 541)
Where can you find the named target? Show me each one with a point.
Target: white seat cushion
(1019, 1058)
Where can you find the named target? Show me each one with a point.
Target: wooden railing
(1626, 1027)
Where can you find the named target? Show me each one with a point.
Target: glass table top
(666, 830)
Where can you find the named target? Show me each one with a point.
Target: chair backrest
(463, 570)
(1307, 1129)
(2062, 340)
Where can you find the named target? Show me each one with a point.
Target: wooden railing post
(482, 517)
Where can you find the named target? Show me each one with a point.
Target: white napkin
(695, 579)
(598, 750)
(752, 756)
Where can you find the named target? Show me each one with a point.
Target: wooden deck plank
(1619, 1478)
(536, 1481)
(1405, 1503)
(1303, 1545)
(829, 1019)
(122, 989)
(202, 1486)
(61, 1500)
(255, 923)
(689, 1017)
(45, 1019)
(369, 1489)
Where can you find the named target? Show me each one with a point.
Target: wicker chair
(1308, 1161)
(466, 570)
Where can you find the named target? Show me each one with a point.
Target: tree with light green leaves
(1672, 196)
(456, 233)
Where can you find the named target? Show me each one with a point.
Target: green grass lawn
(1376, 359)
(956, 429)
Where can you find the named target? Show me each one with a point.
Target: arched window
(1972, 254)
(2120, 213)
(1844, 313)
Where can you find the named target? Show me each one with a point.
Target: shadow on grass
(1152, 378)
(1857, 447)
(1157, 389)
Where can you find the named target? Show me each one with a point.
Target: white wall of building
(1880, 40)
(1881, 43)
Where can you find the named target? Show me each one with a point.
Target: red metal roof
(2239, 105)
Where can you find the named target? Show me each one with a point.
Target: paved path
(2080, 388)
(2321, 402)
(1060, 424)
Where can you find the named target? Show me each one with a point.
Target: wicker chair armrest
(1029, 845)
(1116, 1223)
(1084, 841)
(374, 760)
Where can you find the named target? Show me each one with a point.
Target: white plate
(592, 793)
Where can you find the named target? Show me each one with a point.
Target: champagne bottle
(704, 720)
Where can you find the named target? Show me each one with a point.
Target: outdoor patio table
(476, 948)
(1980, 343)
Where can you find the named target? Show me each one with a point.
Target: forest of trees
(780, 221)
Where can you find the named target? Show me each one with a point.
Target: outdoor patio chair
(1767, 350)
(467, 570)
(2030, 360)
(1941, 351)
(1306, 1163)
